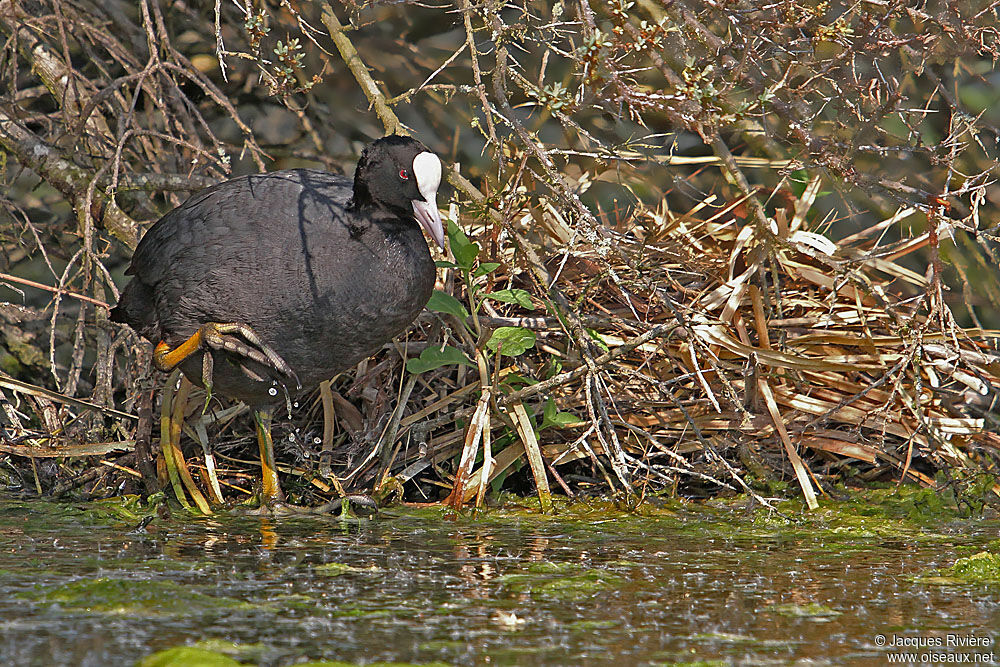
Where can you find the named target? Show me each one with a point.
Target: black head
(400, 174)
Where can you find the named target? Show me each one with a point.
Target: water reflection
(513, 589)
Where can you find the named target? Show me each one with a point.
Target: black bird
(273, 283)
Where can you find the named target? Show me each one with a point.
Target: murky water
(586, 587)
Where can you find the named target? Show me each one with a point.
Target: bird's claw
(253, 349)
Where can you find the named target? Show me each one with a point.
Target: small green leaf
(465, 257)
(464, 250)
(484, 268)
(441, 302)
(551, 417)
(455, 234)
(597, 339)
(512, 379)
(565, 419)
(518, 296)
(441, 264)
(435, 357)
(511, 341)
(799, 180)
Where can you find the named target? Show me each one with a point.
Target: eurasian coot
(287, 278)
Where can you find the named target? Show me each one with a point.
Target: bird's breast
(350, 299)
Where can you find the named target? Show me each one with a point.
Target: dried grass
(723, 357)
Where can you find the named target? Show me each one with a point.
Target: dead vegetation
(699, 249)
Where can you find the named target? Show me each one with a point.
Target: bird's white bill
(429, 217)
(427, 172)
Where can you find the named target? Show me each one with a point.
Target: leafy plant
(509, 341)
(435, 357)
(553, 418)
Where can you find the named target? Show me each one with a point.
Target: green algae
(906, 514)
(903, 510)
(338, 663)
(188, 656)
(811, 610)
(592, 626)
(676, 658)
(338, 569)
(120, 596)
(983, 567)
(128, 508)
(980, 568)
(350, 611)
(539, 582)
(252, 653)
(38, 515)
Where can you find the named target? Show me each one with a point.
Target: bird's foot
(218, 336)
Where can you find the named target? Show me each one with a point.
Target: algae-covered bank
(864, 581)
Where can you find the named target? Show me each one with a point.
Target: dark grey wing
(182, 228)
(221, 256)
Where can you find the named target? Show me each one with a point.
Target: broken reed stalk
(779, 423)
(526, 431)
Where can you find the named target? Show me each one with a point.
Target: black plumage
(324, 271)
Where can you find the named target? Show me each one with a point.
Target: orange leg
(271, 491)
(167, 360)
(215, 336)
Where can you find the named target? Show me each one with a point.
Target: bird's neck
(363, 203)
(362, 198)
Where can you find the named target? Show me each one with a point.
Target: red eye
(403, 175)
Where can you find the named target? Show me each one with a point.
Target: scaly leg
(214, 336)
(269, 472)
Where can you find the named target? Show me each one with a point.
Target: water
(592, 586)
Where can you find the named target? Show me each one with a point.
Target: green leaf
(435, 357)
(518, 296)
(799, 179)
(441, 264)
(511, 341)
(484, 268)
(465, 257)
(441, 302)
(597, 339)
(512, 379)
(456, 235)
(564, 419)
(551, 417)
(464, 250)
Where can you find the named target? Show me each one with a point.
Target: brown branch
(360, 72)
(49, 288)
(65, 176)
